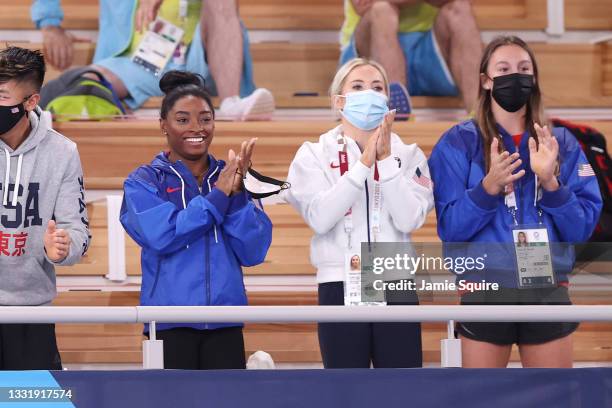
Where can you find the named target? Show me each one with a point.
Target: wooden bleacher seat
(572, 75)
(328, 15)
(283, 15)
(78, 14)
(127, 144)
(111, 150)
(588, 15)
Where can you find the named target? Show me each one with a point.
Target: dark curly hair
(177, 84)
(22, 65)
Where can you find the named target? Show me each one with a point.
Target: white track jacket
(323, 196)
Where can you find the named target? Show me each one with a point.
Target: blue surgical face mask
(365, 109)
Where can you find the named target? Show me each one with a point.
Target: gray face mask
(260, 186)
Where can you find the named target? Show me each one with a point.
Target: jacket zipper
(207, 274)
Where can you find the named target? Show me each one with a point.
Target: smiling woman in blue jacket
(503, 183)
(197, 227)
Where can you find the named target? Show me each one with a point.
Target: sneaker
(399, 99)
(257, 106)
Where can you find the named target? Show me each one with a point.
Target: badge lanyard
(183, 9)
(511, 204)
(377, 207)
(533, 257)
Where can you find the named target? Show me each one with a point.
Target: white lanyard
(183, 9)
(377, 205)
(511, 204)
(343, 165)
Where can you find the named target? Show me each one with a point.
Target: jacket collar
(163, 164)
(509, 141)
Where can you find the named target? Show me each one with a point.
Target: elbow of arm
(159, 243)
(254, 258)
(319, 227)
(251, 245)
(257, 255)
(408, 220)
(409, 224)
(447, 234)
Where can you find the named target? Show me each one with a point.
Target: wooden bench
(572, 75)
(283, 15)
(588, 15)
(286, 342)
(111, 150)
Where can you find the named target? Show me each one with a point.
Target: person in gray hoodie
(43, 217)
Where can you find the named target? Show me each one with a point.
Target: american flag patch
(421, 179)
(15, 110)
(585, 170)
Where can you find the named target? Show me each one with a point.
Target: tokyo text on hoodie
(42, 180)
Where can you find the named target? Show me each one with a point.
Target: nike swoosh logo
(172, 190)
(332, 165)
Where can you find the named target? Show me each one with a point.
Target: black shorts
(28, 347)
(505, 333)
(190, 349)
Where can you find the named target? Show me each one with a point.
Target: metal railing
(451, 348)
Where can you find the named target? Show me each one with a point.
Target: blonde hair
(344, 71)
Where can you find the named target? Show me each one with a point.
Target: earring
(165, 132)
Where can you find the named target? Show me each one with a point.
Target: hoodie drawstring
(17, 180)
(209, 189)
(7, 179)
(183, 194)
(182, 186)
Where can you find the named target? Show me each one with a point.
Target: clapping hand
(383, 144)
(501, 171)
(543, 157)
(227, 177)
(244, 162)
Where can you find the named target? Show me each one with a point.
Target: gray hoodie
(47, 169)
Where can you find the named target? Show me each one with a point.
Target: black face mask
(512, 91)
(260, 186)
(9, 116)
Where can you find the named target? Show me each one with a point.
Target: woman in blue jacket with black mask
(197, 227)
(520, 195)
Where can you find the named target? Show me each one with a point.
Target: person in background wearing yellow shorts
(431, 47)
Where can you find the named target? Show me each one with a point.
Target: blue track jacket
(467, 213)
(193, 243)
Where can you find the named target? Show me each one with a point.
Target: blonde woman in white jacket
(361, 183)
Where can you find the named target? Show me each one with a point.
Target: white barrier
(451, 348)
(259, 314)
(216, 314)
